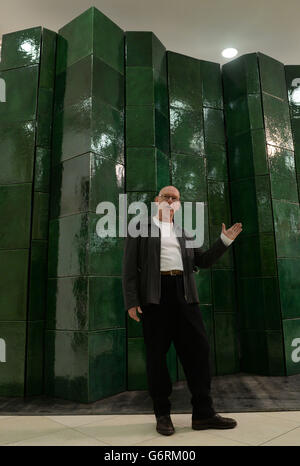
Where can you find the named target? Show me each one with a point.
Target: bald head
(171, 190)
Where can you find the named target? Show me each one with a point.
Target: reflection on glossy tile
(188, 175)
(35, 358)
(186, 131)
(277, 122)
(21, 48)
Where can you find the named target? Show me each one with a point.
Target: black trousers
(176, 320)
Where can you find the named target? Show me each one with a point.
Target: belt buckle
(172, 273)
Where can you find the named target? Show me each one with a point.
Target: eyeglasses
(166, 197)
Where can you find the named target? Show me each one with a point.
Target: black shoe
(214, 422)
(164, 425)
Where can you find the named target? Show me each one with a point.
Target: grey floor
(231, 393)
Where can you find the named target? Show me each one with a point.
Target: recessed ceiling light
(229, 53)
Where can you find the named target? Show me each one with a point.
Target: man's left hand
(233, 231)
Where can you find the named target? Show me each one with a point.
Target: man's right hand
(133, 314)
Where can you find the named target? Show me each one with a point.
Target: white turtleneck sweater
(170, 252)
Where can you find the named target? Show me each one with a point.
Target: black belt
(171, 272)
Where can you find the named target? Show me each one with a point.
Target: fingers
(132, 313)
(139, 310)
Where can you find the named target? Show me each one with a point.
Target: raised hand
(233, 231)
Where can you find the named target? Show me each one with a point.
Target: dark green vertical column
(291, 322)
(86, 337)
(26, 79)
(188, 163)
(219, 211)
(147, 157)
(265, 199)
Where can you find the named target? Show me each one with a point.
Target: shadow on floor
(231, 393)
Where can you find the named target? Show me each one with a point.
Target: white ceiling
(198, 28)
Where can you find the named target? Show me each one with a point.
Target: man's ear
(156, 199)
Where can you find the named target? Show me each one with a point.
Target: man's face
(168, 201)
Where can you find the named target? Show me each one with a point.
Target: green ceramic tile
(68, 239)
(44, 117)
(13, 338)
(139, 85)
(91, 32)
(263, 201)
(109, 249)
(211, 84)
(17, 151)
(69, 378)
(227, 360)
(247, 155)
(40, 216)
(106, 307)
(48, 54)
(259, 303)
(281, 161)
(21, 48)
(88, 77)
(254, 355)
(287, 228)
(223, 284)
(146, 126)
(283, 188)
(15, 207)
(38, 281)
(91, 126)
(218, 203)
(186, 131)
(81, 183)
(42, 169)
(203, 283)
(107, 363)
(188, 175)
(244, 207)
(291, 331)
(288, 276)
(272, 76)
(240, 77)
(143, 48)
(256, 256)
(21, 86)
(276, 360)
(147, 169)
(67, 303)
(216, 159)
(225, 261)
(185, 84)
(214, 125)
(243, 114)
(277, 122)
(13, 285)
(34, 355)
(136, 372)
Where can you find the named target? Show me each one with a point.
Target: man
(158, 283)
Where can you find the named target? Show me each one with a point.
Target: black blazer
(141, 265)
